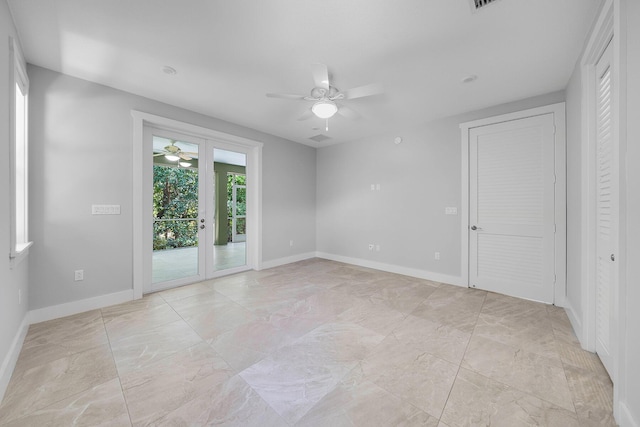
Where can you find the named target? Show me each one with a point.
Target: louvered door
(606, 208)
(511, 208)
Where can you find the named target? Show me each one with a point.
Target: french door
(182, 209)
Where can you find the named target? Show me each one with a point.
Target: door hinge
(555, 228)
(555, 178)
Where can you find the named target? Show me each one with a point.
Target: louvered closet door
(606, 208)
(511, 208)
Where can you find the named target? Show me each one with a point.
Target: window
(19, 155)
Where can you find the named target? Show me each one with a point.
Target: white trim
(598, 41)
(18, 251)
(80, 306)
(254, 183)
(9, 362)
(559, 119)
(574, 319)
(624, 416)
(287, 260)
(391, 268)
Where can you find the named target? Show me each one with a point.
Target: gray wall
(81, 136)
(418, 179)
(11, 280)
(574, 192)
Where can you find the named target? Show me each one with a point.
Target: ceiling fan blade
(362, 91)
(320, 75)
(285, 96)
(306, 115)
(184, 156)
(348, 113)
(158, 154)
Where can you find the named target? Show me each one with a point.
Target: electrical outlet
(437, 255)
(79, 275)
(371, 246)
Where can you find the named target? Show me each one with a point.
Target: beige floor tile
(166, 385)
(324, 305)
(411, 374)
(231, 403)
(294, 378)
(52, 340)
(540, 376)
(135, 351)
(264, 335)
(529, 337)
(185, 291)
(133, 319)
(404, 296)
(374, 315)
(592, 396)
(101, 405)
(211, 314)
(443, 341)
(36, 388)
(479, 401)
(357, 402)
(452, 305)
(516, 311)
(576, 357)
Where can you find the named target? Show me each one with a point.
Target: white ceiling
(229, 54)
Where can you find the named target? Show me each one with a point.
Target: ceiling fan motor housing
(322, 93)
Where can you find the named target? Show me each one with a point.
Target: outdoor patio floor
(170, 264)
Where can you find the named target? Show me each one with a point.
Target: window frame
(18, 154)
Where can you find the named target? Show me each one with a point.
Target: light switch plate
(451, 211)
(105, 209)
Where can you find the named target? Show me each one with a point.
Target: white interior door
(511, 208)
(606, 209)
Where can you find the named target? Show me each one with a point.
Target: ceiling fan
(174, 153)
(324, 96)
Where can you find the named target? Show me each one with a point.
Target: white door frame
(560, 243)
(253, 150)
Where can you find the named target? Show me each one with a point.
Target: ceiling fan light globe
(185, 164)
(172, 157)
(324, 109)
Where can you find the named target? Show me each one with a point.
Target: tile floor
(315, 343)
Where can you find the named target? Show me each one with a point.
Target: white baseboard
(626, 419)
(9, 362)
(576, 322)
(75, 307)
(286, 260)
(391, 268)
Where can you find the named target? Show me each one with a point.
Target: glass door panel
(231, 209)
(176, 210)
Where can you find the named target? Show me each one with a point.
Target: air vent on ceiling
(319, 138)
(479, 4)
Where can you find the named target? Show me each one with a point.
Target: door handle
(473, 227)
(202, 226)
